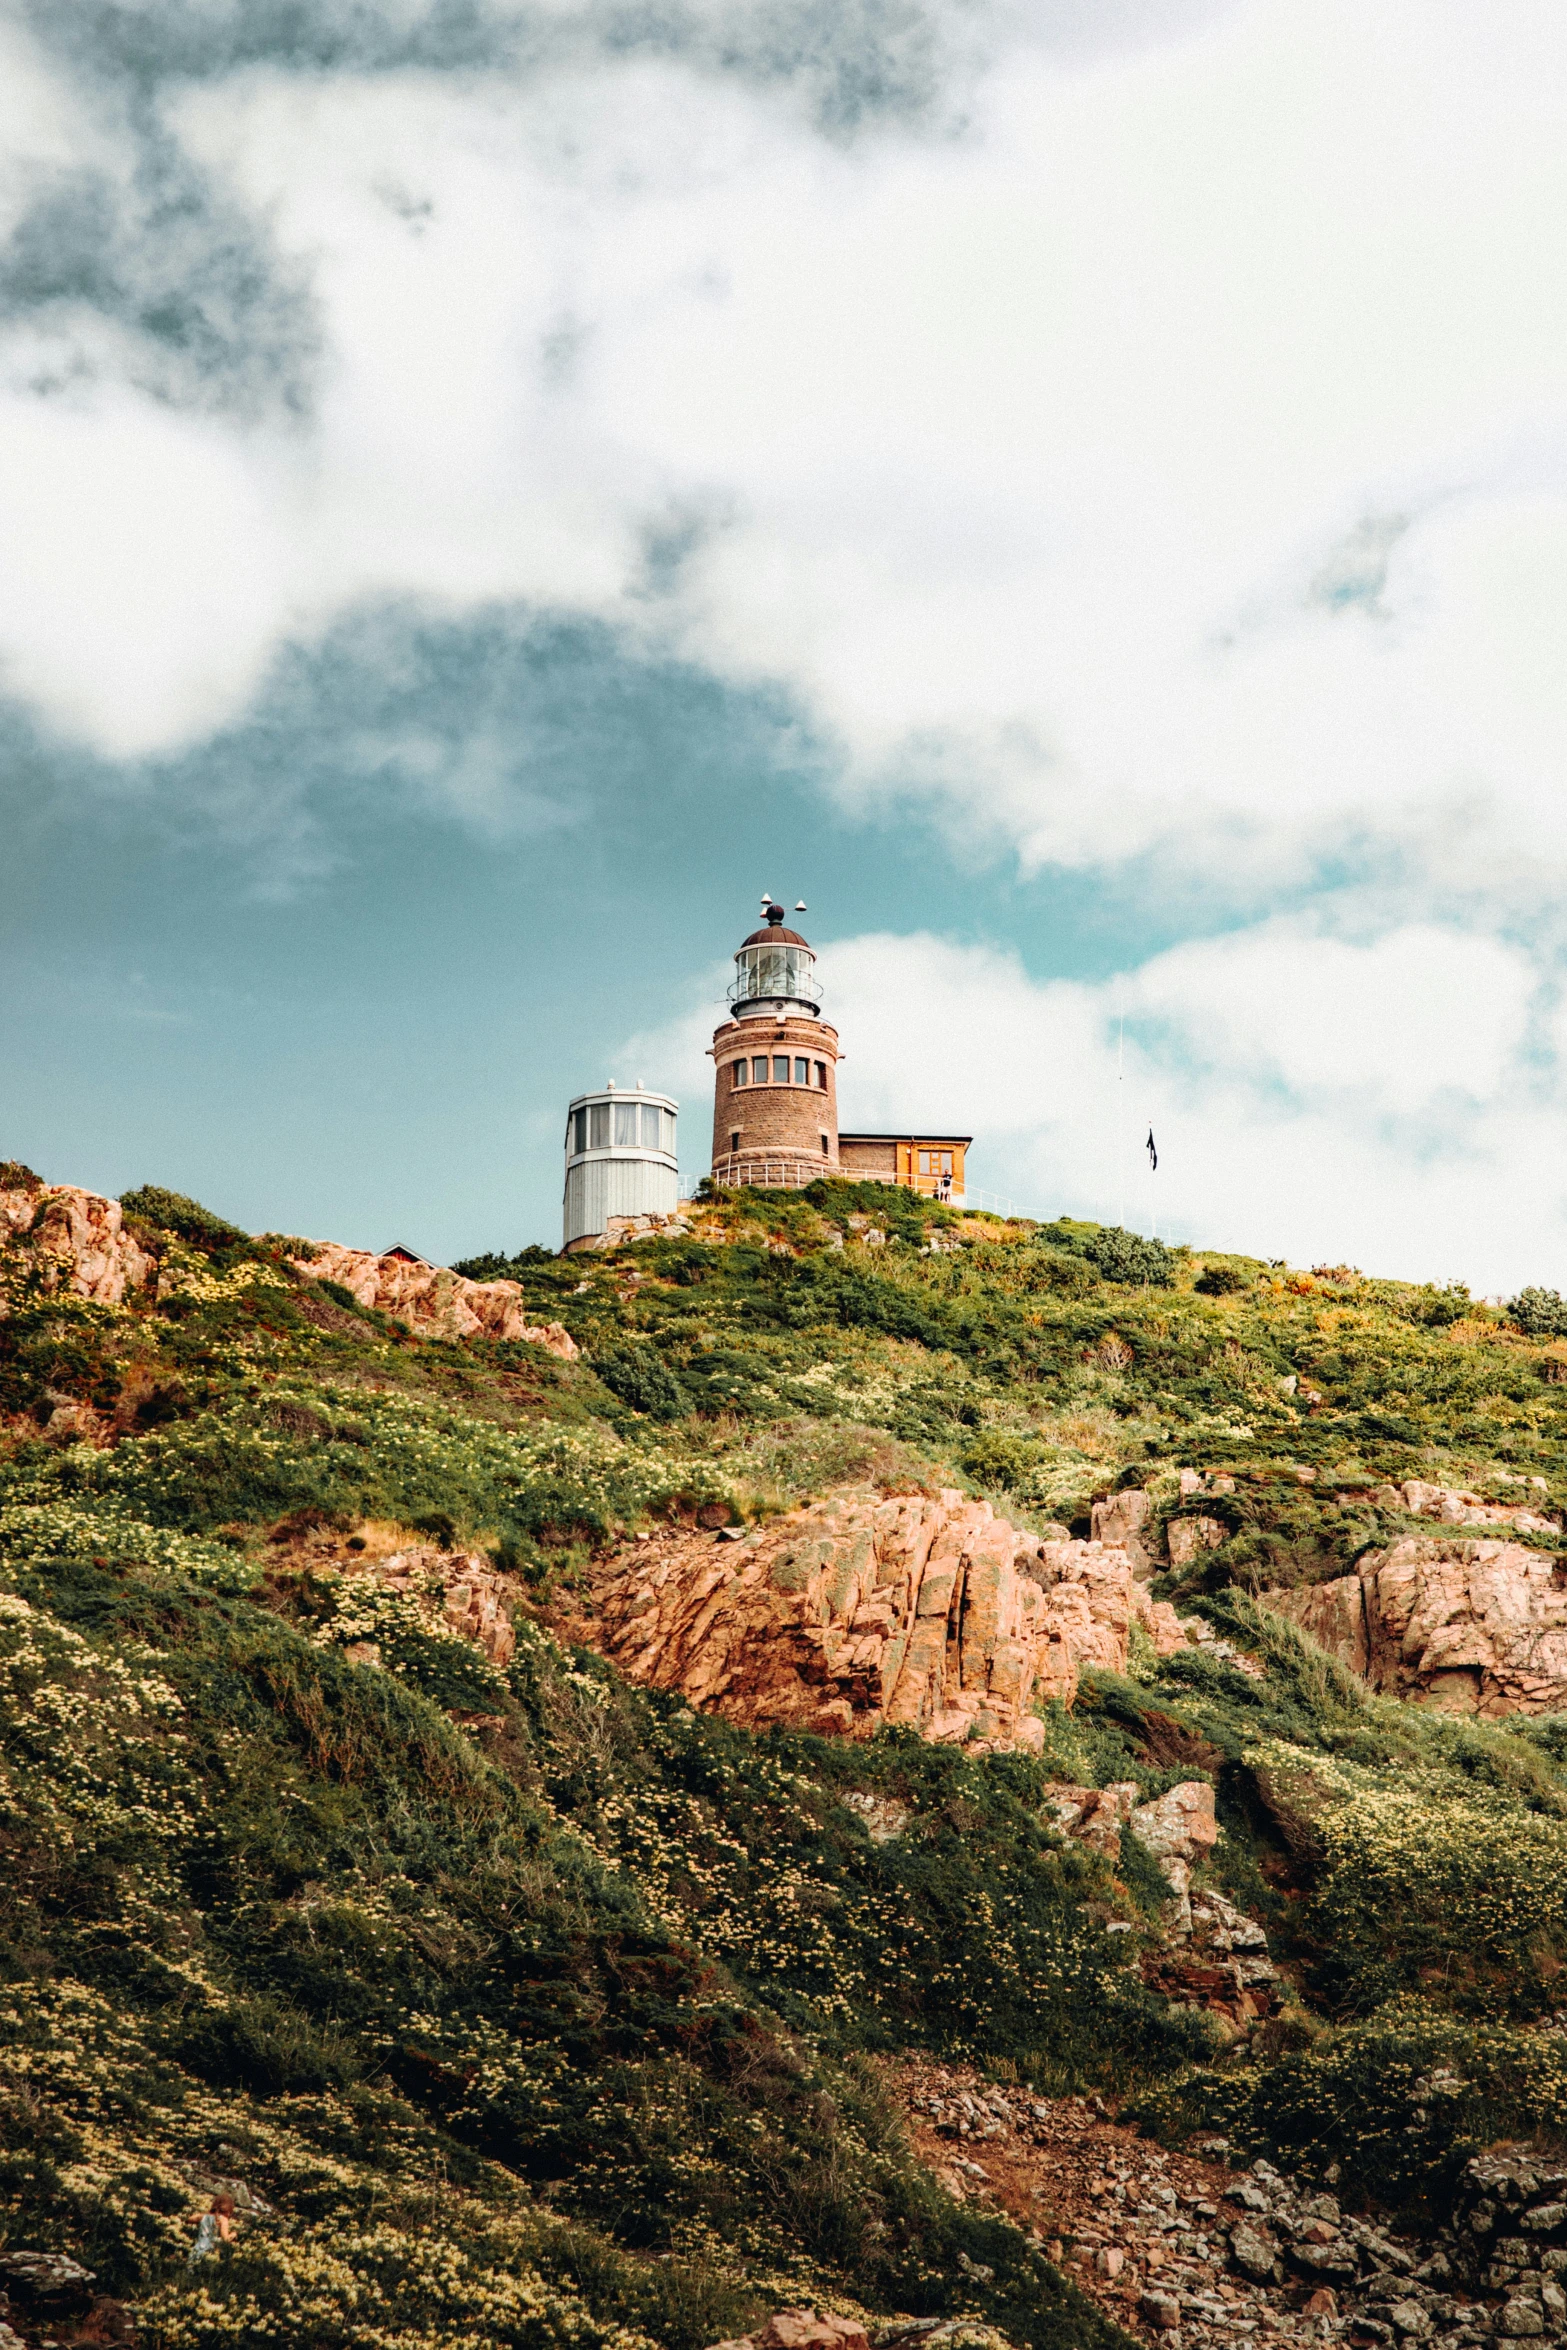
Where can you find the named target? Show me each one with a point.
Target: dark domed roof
(776, 936)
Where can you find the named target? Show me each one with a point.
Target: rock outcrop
(627, 1231)
(930, 1612)
(1177, 2245)
(1094, 1816)
(1124, 1522)
(62, 1240)
(431, 1300)
(1180, 1830)
(802, 2329)
(1455, 1505)
(1473, 1626)
(460, 1585)
(55, 1238)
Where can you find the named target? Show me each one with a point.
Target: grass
(565, 2029)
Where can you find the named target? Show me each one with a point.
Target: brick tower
(775, 1092)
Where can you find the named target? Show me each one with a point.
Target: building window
(759, 1071)
(935, 1162)
(802, 1073)
(826, 1148)
(579, 1123)
(598, 1126)
(739, 1071)
(780, 1068)
(821, 1075)
(734, 1142)
(650, 1120)
(626, 1124)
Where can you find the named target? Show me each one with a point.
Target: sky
(1074, 490)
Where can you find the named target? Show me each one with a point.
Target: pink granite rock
(433, 1301)
(1471, 1625)
(927, 1611)
(68, 1240)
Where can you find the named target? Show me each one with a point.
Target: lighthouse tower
(775, 1094)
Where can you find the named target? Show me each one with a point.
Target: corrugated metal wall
(597, 1189)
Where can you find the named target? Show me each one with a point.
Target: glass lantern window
(579, 1135)
(626, 1124)
(775, 971)
(598, 1126)
(651, 1137)
(669, 1132)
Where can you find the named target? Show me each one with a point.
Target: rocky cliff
(431, 1300)
(929, 1611)
(1475, 1626)
(57, 1239)
(64, 1240)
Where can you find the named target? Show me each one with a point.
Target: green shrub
(1540, 1313)
(491, 1267)
(1392, 2108)
(1128, 1259)
(1001, 1457)
(643, 1380)
(187, 1219)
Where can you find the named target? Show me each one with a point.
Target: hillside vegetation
(537, 2009)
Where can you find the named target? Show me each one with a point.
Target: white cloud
(143, 574)
(1312, 1098)
(1038, 453)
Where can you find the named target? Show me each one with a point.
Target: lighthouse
(775, 1090)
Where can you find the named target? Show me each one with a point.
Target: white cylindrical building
(621, 1159)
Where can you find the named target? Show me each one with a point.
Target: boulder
(1160, 2310)
(802, 2329)
(431, 1300)
(45, 2276)
(58, 1239)
(1094, 1815)
(1254, 2251)
(930, 1612)
(1474, 1626)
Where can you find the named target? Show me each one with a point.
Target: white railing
(789, 1173)
(764, 1172)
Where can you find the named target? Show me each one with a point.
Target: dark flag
(1153, 1155)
